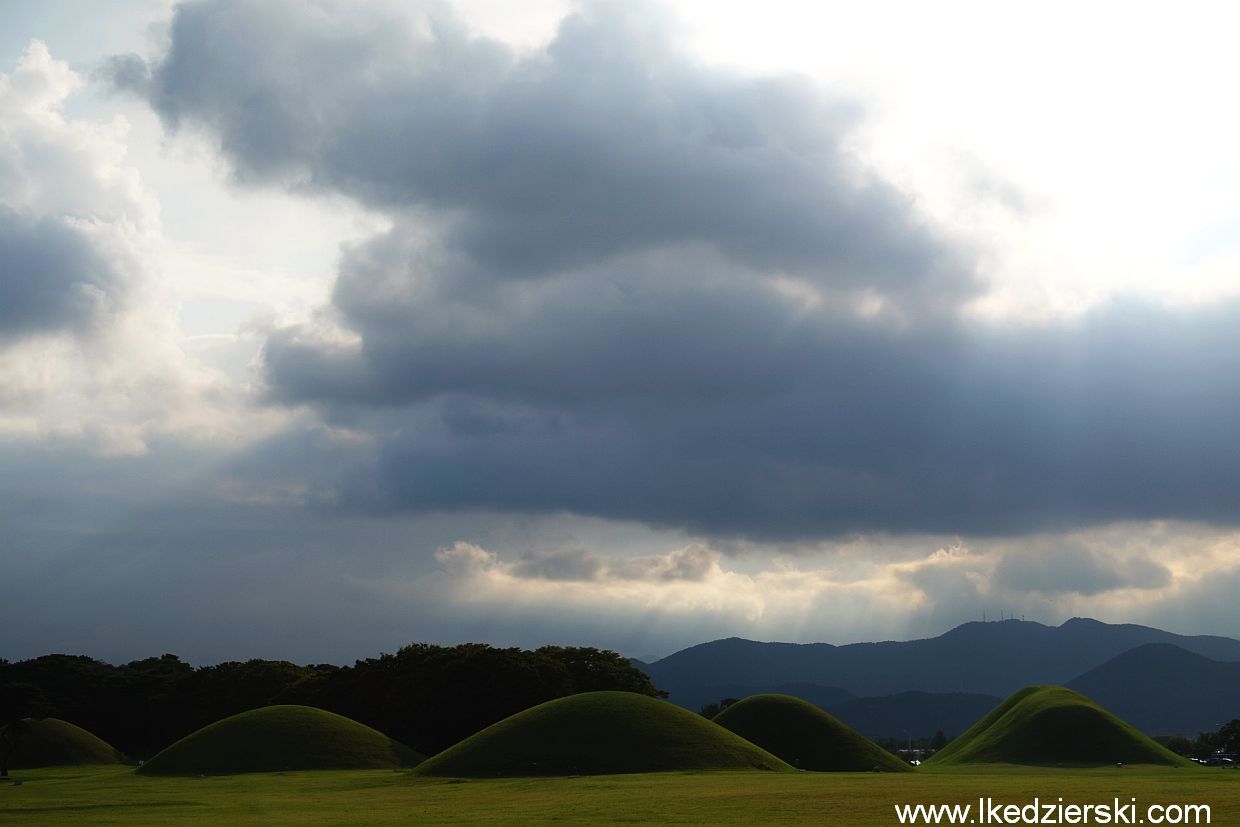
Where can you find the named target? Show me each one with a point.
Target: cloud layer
(832, 593)
(608, 141)
(621, 283)
(62, 254)
(90, 348)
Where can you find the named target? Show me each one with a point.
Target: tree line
(1210, 747)
(428, 697)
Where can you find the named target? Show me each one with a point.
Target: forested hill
(1164, 689)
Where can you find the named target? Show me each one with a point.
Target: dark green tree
(1179, 745)
(599, 669)
(1229, 737)
(714, 708)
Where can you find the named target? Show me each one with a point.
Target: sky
(328, 326)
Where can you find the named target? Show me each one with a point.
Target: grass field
(117, 795)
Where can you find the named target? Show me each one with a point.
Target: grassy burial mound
(51, 742)
(1051, 725)
(277, 738)
(597, 733)
(805, 736)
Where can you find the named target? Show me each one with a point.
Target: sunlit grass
(117, 795)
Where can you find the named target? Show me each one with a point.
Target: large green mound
(1052, 725)
(598, 733)
(805, 736)
(277, 738)
(51, 742)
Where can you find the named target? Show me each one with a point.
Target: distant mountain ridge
(914, 714)
(1165, 689)
(995, 659)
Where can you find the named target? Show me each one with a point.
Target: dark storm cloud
(683, 324)
(692, 563)
(571, 565)
(620, 283)
(1077, 570)
(605, 142)
(1129, 413)
(51, 277)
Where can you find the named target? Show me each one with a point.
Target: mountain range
(1160, 688)
(1161, 682)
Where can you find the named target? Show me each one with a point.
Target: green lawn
(117, 795)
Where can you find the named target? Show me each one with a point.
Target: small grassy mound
(598, 733)
(1050, 725)
(51, 742)
(805, 736)
(277, 738)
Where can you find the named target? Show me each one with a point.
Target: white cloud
(1110, 119)
(682, 585)
(122, 377)
(858, 590)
